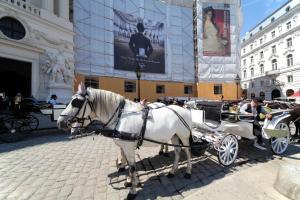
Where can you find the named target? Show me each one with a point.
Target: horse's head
(77, 112)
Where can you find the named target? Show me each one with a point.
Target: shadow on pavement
(152, 171)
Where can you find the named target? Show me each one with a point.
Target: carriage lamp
(237, 80)
(138, 74)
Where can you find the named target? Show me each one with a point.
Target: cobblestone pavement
(56, 167)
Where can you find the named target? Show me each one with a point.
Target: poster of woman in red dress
(216, 30)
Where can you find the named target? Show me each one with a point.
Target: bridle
(80, 104)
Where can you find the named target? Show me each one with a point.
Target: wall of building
(218, 69)
(262, 40)
(48, 38)
(148, 88)
(94, 39)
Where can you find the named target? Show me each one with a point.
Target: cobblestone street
(56, 167)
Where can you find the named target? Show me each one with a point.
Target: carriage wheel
(228, 150)
(32, 122)
(279, 145)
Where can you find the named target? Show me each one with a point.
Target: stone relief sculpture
(59, 68)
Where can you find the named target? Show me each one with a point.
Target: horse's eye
(77, 103)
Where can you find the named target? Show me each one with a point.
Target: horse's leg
(166, 154)
(175, 140)
(186, 142)
(129, 152)
(161, 150)
(121, 162)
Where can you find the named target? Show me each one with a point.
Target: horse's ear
(81, 88)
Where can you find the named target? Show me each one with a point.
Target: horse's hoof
(127, 184)
(187, 176)
(160, 153)
(170, 175)
(166, 155)
(121, 169)
(131, 196)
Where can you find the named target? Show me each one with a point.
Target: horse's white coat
(162, 125)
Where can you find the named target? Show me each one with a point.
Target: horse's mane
(106, 102)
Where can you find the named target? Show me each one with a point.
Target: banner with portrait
(216, 29)
(138, 41)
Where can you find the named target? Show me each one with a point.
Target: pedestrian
(53, 99)
(18, 101)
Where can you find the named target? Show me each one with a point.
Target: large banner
(138, 41)
(216, 29)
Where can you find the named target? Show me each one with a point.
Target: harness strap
(143, 129)
(118, 110)
(181, 119)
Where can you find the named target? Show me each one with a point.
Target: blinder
(77, 103)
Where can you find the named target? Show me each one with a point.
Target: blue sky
(255, 11)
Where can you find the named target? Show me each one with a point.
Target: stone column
(63, 9)
(48, 5)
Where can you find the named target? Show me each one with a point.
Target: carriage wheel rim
(279, 145)
(228, 150)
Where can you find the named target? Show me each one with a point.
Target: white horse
(163, 124)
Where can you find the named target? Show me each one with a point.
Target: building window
(289, 42)
(244, 62)
(244, 50)
(274, 64)
(288, 25)
(272, 19)
(273, 34)
(251, 46)
(252, 95)
(245, 86)
(274, 49)
(273, 81)
(289, 59)
(252, 84)
(218, 89)
(91, 82)
(245, 74)
(288, 9)
(261, 83)
(290, 78)
(251, 34)
(261, 40)
(251, 59)
(12, 28)
(261, 55)
(260, 28)
(252, 72)
(188, 89)
(129, 86)
(160, 89)
(262, 69)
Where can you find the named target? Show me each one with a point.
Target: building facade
(165, 39)
(36, 49)
(270, 62)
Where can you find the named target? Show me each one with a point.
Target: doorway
(275, 94)
(15, 76)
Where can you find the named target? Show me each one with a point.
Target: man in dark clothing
(259, 114)
(139, 44)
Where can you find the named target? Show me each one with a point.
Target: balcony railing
(28, 7)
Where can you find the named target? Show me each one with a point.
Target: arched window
(262, 69)
(245, 74)
(274, 64)
(252, 72)
(12, 28)
(289, 59)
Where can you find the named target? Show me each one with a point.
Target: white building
(270, 63)
(36, 48)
